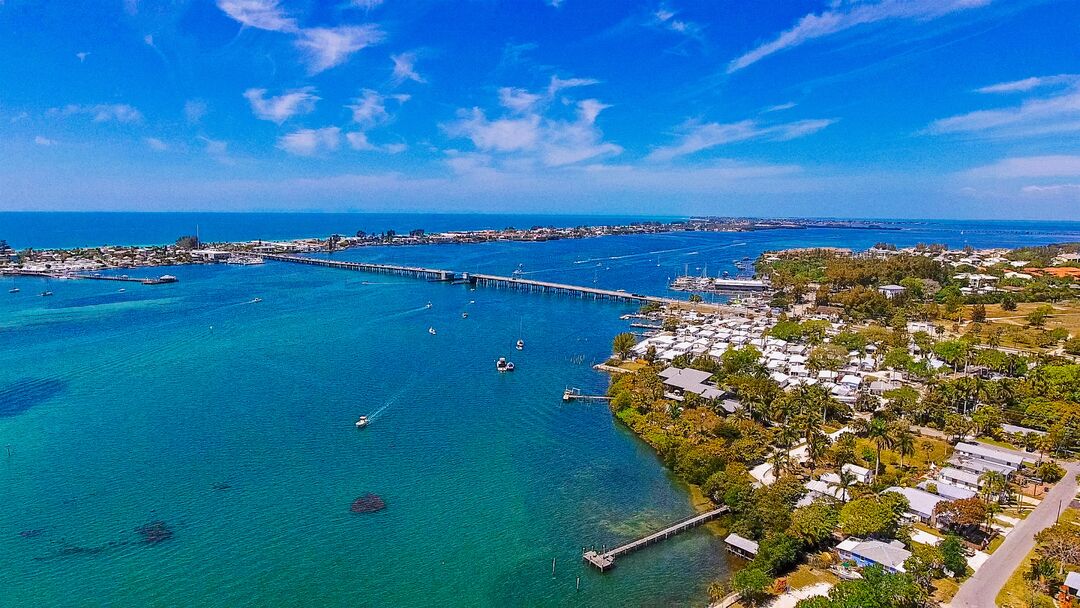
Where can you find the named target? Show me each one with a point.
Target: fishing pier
(606, 559)
(430, 274)
(162, 280)
(574, 394)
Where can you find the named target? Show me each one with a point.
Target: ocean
(231, 421)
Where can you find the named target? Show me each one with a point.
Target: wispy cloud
(323, 47)
(367, 4)
(405, 68)
(780, 107)
(259, 14)
(696, 136)
(217, 149)
(1027, 84)
(282, 107)
(44, 141)
(558, 84)
(156, 144)
(369, 110)
(194, 110)
(1035, 116)
(326, 47)
(667, 18)
(850, 15)
(308, 142)
(82, 55)
(101, 112)
(1026, 167)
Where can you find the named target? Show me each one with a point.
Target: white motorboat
(431, 330)
(520, 344)
(13, 290)
(45, 293)
(428, 305)
(503, 365)
(362, 422)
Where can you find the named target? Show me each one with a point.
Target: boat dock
(574, 394)
(606, 559)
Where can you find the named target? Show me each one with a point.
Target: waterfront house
(685, 380)
(890, 556)
(743, 547)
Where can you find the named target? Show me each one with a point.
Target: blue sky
(875, 108)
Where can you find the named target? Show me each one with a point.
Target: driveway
(980, 591)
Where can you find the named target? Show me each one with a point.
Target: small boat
(13, 290)
(520, 344)
(45, 293)
(503, 365)
(362, 422)
(464, 315)
(428, 305)
(121, 290)
(472, 301)
(431, 330)
(509, 366)
(255, 301)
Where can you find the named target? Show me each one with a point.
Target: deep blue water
(124, 408)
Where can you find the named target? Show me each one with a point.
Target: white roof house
(985, 452)
(1072, 581)
(851, 380)
(965, 479)
(920, 502)
(743, 547)
(890, 556)
(947, 490)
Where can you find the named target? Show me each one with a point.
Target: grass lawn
(944, 590)
(999, 443)
(1016, 593)
(994, 544)
(927, 450)
(804, 576)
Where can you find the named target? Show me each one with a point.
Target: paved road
(980, 591)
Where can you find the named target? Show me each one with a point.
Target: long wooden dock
(606, 559)
(162, 280)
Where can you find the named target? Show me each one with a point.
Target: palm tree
(991, 485)
(846, 479)
(876, 429)
(904, 441)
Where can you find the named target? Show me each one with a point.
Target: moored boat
(520, 344)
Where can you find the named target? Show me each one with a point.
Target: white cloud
(1052, 189)
(259, 14)
(554, 3)
(82, 55)
(358, 140)
(404, 68)
(1029, 167)
(780, 107)
(1027, 84)
(526, 136)
(131, 6)
(814, 26)
(149, 39)
(328, 47)
(44, 141)
(697, 136)
(666, 18)
(367, 4)
(102, 112)
(156, 144)
(307, 142)
(557, 84)
(369, 110)
(1035, 116)
(217, 149)
(518, 100)
(194, 110)
(283, 107)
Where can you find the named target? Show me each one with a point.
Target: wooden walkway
(606, 559)
(574, 394)
(431, 274)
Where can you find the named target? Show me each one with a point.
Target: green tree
(1008, 302)
(814, 523)
(752, 585)
(623, 344)
(876, 429)
(978, 313)
(952, 553)
(874, 516)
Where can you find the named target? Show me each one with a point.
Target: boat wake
(372, 417)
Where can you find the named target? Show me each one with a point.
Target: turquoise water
(121, 409)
